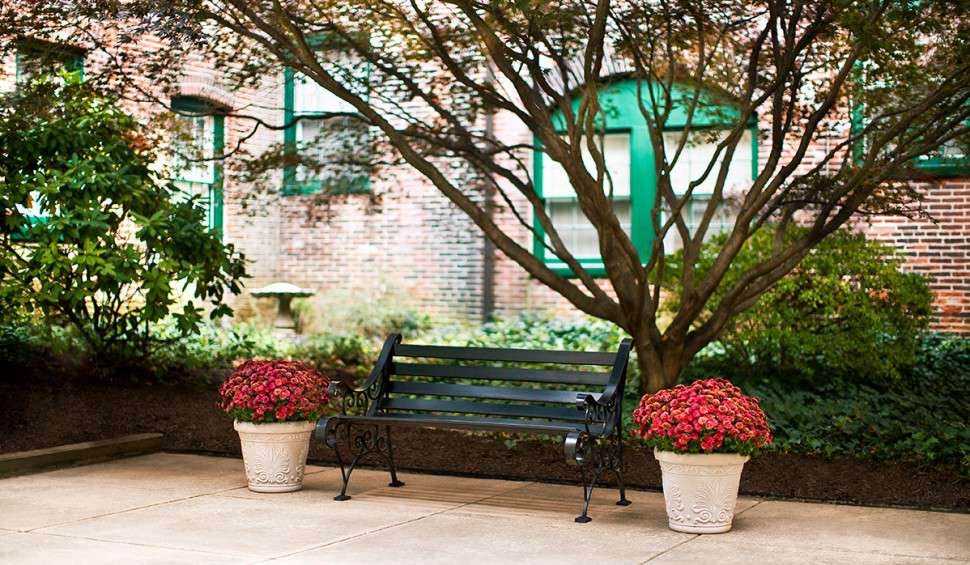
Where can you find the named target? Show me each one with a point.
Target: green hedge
(923, 416)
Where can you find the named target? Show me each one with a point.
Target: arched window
(199, 140)
(629, 160)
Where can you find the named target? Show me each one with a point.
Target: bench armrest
(339, 388)
(615, 384)
(364, 396)
(605, 407)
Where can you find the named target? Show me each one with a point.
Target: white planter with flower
(276, 405)
(702, 435)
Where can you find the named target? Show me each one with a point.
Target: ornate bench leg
(587, 493)
(362, 443)
(618, 467)
(390, 460)
(580, 450)
(344, 470)
(593, 460)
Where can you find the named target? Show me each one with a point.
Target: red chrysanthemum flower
(706, 416)
(274, 391)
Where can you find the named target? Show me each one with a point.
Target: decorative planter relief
(700, 489)
(274, 454)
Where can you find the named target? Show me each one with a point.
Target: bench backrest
(480, 381)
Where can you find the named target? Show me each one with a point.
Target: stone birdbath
(284, 294)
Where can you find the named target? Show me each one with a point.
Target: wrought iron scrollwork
(363, 441)
(352, 400)
(594, 453)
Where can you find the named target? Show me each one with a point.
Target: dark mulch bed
(37, 414)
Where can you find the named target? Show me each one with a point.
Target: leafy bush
(346, 353)
(847, 311)
(205, 357)
(924, 415)
(371, 315)
(91, 236)
(537, 331)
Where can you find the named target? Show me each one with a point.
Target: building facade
(397, 231)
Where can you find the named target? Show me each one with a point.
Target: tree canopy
(845, 95)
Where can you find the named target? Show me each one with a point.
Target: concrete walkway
(168, 508)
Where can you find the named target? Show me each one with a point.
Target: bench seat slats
(500, 374)
(472, 423)
(510, 355)
(487, 408)
(489, 392)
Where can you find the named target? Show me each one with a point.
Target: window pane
(194, 143)
(616, 150)
(693, 214)
(334, 151)
(206, 193)
(576, 231)
(696, 156)
(311, 98)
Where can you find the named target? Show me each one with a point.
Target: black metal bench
(584, 406)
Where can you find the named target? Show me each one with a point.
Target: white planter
(274, 454)
(700, 489)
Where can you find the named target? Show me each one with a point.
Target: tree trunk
(658, 369)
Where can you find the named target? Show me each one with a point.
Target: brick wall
(416, 241)
(938, 247)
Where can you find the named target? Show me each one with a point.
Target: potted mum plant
(702, 434)
(275, 405)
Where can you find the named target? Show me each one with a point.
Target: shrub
(706, 416)
(346, 353)
(847, 310)
(274, 391)
(91, 236)
(922, 416)
(372, 315)
(531, 330)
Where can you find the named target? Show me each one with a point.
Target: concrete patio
(173, 508)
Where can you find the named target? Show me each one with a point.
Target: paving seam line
(136, 508)
(856, 551)
(671, 548)
(395, 525)
(693, 537)
(133, 543)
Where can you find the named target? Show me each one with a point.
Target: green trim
(755, 166)
(289, 134)
(623, 115)
(214, 197)
(71, 57)
(943, 167)
(292, 186)
(216, 190)
(934, 166)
